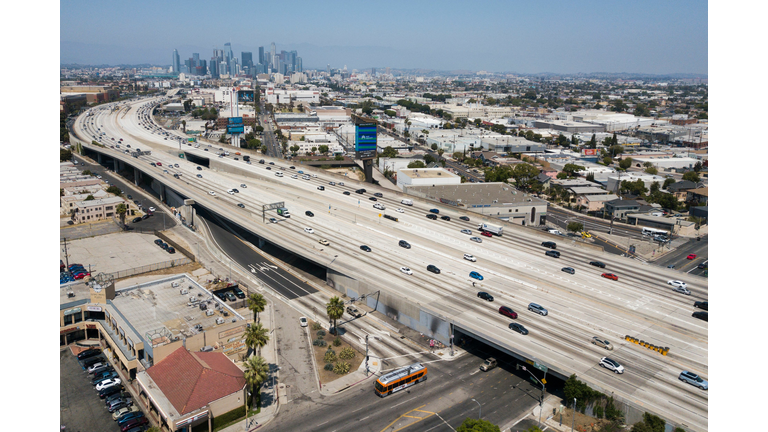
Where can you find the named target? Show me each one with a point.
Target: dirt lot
(328, 376)
(583, 423)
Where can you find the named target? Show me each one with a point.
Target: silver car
(602, 343)
(476, 239)
(533, 307)
(611, 364)
(693, 379)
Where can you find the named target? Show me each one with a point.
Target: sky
(655, 37)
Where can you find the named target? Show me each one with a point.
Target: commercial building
(275, 96)
(95, 210)
(93, 94)
(673, 225)
(494, 200)
(425, 176)
(647, 179)
(568, 126)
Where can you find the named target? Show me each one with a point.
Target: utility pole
(366, 355)
(66, 255)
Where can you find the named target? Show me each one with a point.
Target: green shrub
(598, 412)
(347, 353)
(328, 366)
(319, 342)
(330, 356)
(316, 326)
(341, 368)
(337, 342)
(320, 333)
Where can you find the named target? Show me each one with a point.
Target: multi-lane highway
(514, 267)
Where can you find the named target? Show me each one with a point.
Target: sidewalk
(547, 419)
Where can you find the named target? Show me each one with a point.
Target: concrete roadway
(516, 272)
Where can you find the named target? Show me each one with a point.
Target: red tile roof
(192, 380)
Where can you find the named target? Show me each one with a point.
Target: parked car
(518, 328)
(602, 343)
(612, 365)
(694, 380)
(123, 411)
(130, 424)
(507, 311)
(303, 321)
(128, 417)
(107, 383)
(95, 366)
(88, 353)
(485, 296)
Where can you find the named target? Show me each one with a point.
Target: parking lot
(81, 409)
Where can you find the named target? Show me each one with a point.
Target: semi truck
(495, 230)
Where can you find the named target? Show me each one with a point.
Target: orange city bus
(400, 379)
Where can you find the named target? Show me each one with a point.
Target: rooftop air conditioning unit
(209, 312)
(219, 320)
(175, 284)
(183, 291)
(193, 300)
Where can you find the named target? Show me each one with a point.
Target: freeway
(514, 267)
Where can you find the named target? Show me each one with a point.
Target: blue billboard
(365, 140)
(235, 125)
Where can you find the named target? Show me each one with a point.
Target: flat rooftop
(426, 173)
(472, 194)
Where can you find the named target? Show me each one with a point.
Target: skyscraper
(228, 56)
(176, 61)
(261, 55)
(247, 62)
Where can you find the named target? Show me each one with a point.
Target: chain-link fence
(150, 268)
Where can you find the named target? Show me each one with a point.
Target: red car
(610, 276)
(508, 312)
(486, 233)
(159, 164)
(691, 256)
(130, 424)
(79, 276)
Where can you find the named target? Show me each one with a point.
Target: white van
(554, 231)
(407, 202)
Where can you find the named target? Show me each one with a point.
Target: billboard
(245, 96)
(589, 152)
(235, 125)
(365, 140)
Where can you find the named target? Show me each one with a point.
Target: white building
(426, 177)
(274, 96)
(647, 179)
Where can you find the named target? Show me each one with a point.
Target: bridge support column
(162, 192)
(261, 243)
(98, 158)
(136, 175)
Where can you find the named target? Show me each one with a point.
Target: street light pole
(573, 414)
(541, 399)
(481, 409)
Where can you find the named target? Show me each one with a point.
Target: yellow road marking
(418, 409)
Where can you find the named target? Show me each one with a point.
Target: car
(230, 296)
(332, 183)
(103, 376)
(235, 190)
(702, 266)
(269, 168)
(271, 163)
(691, 256)
(679, 286)
(88, 353)
(433, 269)
(597, 264)
(518, 328)
(694, 380)
(272, 220)
(107, 391)
(171, 250)
(199, 176)
(701, 305)
(309, 213)
(159, 164)
(507, 311)
(199, 168)
(602, 343)
(485, 296)
(379, 206)
(406, 270)
(469, 257)
(378, 194)
(373, 199)
(294, 176)
(612, 365)
(136, 220)
(129, 197)
(240, 205)
(445, 218)
(301, 172)
(671, 266)
(346, 193)
(464, 218)
(435, 211)
(131, 424)
(123, 411)
(95, 366)
(211, 193)
(119, 404)
(146, 216)
(475, 275)
(309, 230)
(486, 234)
(701, 315)
(341, 183)
(476, 239)
(568, 270)
(404, 244)
(549, 244)
(365, 248)
(243, 186)
(466, 231)
(552, 253)
(536, 308)
(431, 216)
(303, 321)
(610, 276)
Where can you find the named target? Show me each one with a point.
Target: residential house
(680, 189)
(619, 208)
(699, 195)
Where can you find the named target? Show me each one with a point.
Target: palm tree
(256, 370)
(257, 303)
(335, 309)
(256, 336)
(121, 210)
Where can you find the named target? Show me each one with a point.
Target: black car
(549, 244)
(597, 264)
(518, 328)
(568, 270)
(702, 305)
(701, 315)
(136, 220)
(88, 353)
(269, 168)
(433, 269)
(378, 194)
(146, 216)
(240, 205)
(271, 163)
(292, 167)
(702, 266)
(309, 213)
(360, 191)
(346, 193)
(404, 244)
(445, 218)
(199, 168)
(129, 197)
(261, 161)
(485, 296)
(110, 390)
(553, 254)
(464, 218)
(431, 216)
(239, 293)
(373, 199)
(199, 176)
(365, 248)
(171, 250)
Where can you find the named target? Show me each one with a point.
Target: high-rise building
(176, 62)
(328, 69)
(247, 62)
(261, 55)
(299, 65)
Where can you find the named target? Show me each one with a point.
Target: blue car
(129, 416)
(301, 172)
(476, 275)
(435, 211)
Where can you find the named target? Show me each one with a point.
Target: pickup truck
(489, 364)
(353, 311)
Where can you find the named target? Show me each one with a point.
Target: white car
(303, 321)
(278, 174)
(399, 210)
(476, 239)
(406, 270)
(466, 231)
(677, 284)
(379, 206)
(611, 365)
(332, 183)
(107, 383)
(95, 366)
(98, 177)
(295, 176)
(309, 230)
(152, 209)
(469, 257)
(341, 183)
(212, 193)
(314, 175)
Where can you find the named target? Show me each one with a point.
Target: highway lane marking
(404, 402)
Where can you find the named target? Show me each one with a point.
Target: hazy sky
(651, 36)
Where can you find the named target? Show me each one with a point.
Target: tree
(433, 146)
(562, 175)
(257, 303)
(114, 190)
(635, 188)
(256, 336)
(389, 152)
(654, 187)
(294, 149)
(390, 113)
(89, 198)
(652, 170)
(570, 169)
(692, 176)
(440, 152)
(428, 158)
(574, 140)
(650, 423)
(477, 425)
(121, 211)
(625, 163)
(607, 160)
(314, 149)
(697, 167)
(417, 164)
(524, 174)
(263, 149)
(562, 141)
(184, 126)
(335, 309)
(575, 226)
(323, 149)
(478, 122)
(668, 182)
(87, 172)
(65, 155)
(223, 138)
(255, 374)
(592, 142)
(615, 150)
